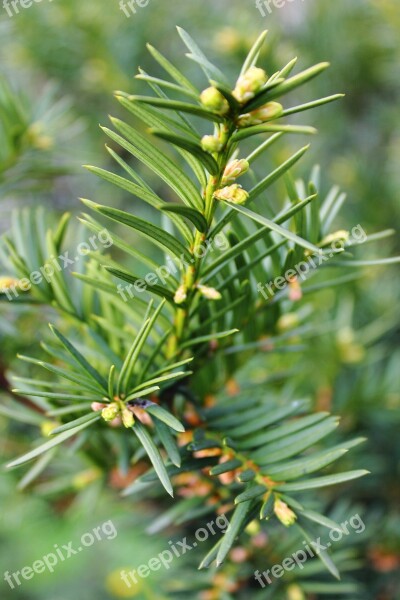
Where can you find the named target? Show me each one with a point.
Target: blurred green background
(62, 60)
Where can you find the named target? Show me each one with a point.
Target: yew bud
(234, 169)
(209, 292)
(110, 412)
(212, 99)
(268, 112)
(249, 84)
(284, 513)
(180, 295)
(211, 144)
(233, 193)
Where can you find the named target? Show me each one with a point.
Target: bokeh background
(60, 62)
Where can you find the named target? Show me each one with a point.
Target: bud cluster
(115, 412)
(248, 85)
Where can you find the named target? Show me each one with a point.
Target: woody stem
(189, 277)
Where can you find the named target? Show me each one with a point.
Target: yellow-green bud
(37, 138)
(46, 427)
(9, 283)
(287, 321)
(110, 412)
(350, 351)
(268, 112)
(294, 592)
(85, 478)
(211, 144)
(117, 588)
(249, 84)
(212, 99)
(233, 193)
(180, 295)
(338, 236)
(253, 527)
(127, 417)
(209, 292)
(284, 513)
(234, 169)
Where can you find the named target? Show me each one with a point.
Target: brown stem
(6, 387)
